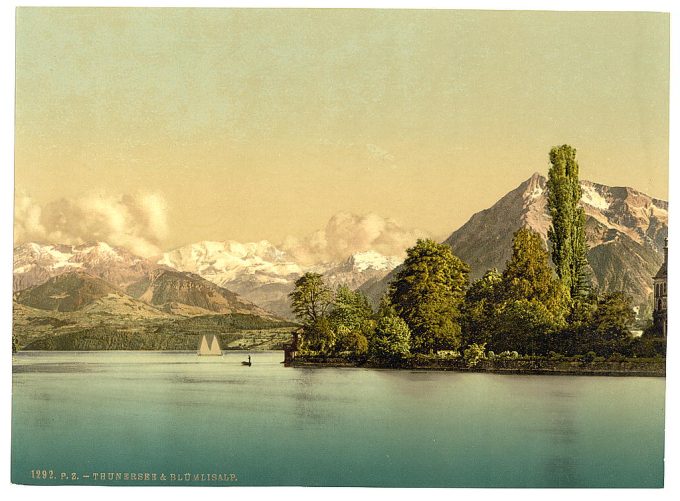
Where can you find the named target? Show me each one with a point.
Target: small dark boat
(248, 363)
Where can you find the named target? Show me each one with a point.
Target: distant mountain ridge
(259, 272)
(264, 274)
(165, 309)
(70, 291)
(189, 294)
(226, 262)
(34, 263)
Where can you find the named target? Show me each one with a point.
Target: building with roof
(660, 295)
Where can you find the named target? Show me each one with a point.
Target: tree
(310, 298)
(350, 342)
(350, 317)
(530, 301)
(567, 233)
(391, 340)
(427, 293)
(350, 309)
(528, 275)
(575, 338)
(318, 336)
(602, 326)
(610, 323)
(479, 308)
(525, 326)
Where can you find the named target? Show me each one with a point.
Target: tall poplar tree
(567, 233)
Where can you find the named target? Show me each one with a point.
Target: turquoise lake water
(170, 413)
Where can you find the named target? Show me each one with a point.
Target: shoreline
(629, 367)
(635, 367)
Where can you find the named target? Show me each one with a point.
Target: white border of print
(672, 489)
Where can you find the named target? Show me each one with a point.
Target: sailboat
(209, 345)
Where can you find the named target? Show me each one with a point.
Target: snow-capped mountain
(258, 271)
(372, 260)
(35, 263)
(222, 263)
(264, 274)
(358, 268)
(625, 232)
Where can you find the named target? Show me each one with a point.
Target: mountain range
(265, 275)
(160, 309)
(34, 263)
(71, 286)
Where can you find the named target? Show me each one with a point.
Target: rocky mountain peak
(371, 260)
(536, 182)
(625, 232)
(185, 293)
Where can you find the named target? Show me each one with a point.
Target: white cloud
(347, 233)
(137, 222)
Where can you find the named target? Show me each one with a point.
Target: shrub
(447, 354)
(590, 357)
(474, 353)
(420, 359)
(350, 342)
(392, 339)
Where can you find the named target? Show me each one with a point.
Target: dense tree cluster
(528, 309)
(344, 324)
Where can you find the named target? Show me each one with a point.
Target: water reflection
(561, 432)
(55, 368)
(307, 401)
(560, 471)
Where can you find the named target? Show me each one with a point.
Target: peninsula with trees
(541, 314)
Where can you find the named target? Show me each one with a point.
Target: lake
(77, 414)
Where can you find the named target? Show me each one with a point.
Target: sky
(356, 129)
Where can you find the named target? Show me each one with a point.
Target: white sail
(215, 347)
(203, 348)
(209, 345)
